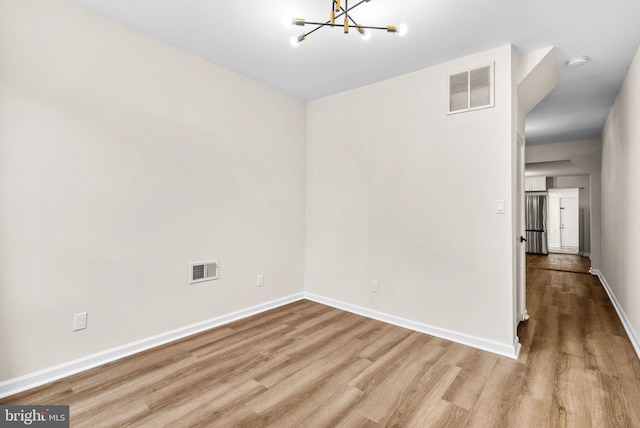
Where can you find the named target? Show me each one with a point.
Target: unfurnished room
(319, 213)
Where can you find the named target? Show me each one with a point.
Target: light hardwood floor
(308, 365)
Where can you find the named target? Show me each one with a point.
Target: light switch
(500, 206)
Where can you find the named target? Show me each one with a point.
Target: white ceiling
(248, 37)
(553, 169)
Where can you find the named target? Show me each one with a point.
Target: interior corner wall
(122, 160)
(401, 193)
(621, 198)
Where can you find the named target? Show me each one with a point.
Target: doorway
(564, 221)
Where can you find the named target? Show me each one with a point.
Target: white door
(569, 222)
(553, 221)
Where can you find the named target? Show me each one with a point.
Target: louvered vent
(203, 271)
(471, 89)
(459, 92)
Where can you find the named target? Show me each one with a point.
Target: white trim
(35, 379)
(517, 346)
(510, 351)
(50, 374)
(626, 323)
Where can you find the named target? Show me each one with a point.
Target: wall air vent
(471, 89)
(204, 271)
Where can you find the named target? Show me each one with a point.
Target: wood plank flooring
(309, 365)
(563, 262)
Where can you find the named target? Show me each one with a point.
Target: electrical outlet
(374, 286)
(80, 321)
(260, 280)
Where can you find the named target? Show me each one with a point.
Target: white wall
(123, 159)
(621, 198)
(401, 193)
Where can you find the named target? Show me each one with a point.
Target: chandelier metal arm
(349, 9)
(349, 17)
(344, 12)
(328, 24)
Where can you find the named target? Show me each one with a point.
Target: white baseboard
(32, 380)
(41, 377)
(626, 323)
(517, 347)
(510, 351)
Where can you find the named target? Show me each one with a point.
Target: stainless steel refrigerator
(536, 224)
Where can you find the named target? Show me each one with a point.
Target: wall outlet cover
(79, 321)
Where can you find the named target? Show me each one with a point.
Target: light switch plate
(500, 206)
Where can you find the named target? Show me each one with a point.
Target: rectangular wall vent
(471, 89)
(204, 271)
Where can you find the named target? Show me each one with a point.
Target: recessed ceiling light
(577, 61)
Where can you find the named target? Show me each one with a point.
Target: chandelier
(337, 11)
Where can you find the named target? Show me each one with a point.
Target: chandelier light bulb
(403, 29)
(296, 40)
(287, 21)
(366, 35)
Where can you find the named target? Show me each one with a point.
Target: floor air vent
(204, 271)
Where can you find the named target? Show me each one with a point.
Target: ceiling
(248, 37)
(553, 169)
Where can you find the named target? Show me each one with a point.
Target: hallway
(586, 370)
